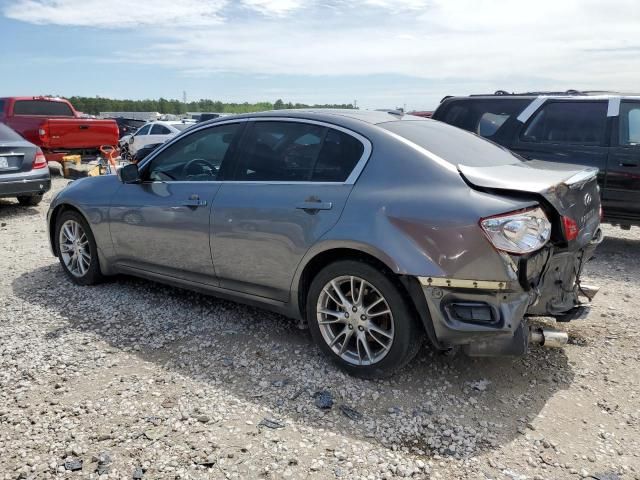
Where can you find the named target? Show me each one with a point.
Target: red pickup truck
(56, 127)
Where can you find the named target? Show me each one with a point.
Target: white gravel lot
(132, 379)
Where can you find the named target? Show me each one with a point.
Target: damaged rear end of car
(546, 246)
(539, 248)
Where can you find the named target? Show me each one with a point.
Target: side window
(158, 129)
(579, 122)
(144, 130)
(629, 131)
(197, 157)
(339, 154)
(490, 123)
(280, 151)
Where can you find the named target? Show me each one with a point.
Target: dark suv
(597, 129)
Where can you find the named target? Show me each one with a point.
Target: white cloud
(274, 7)
(459, 44)
(117, 13)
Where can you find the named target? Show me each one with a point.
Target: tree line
(95, 105)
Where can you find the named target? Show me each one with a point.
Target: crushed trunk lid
(572, 190)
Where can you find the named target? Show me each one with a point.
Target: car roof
(568, 95)
(372, 117)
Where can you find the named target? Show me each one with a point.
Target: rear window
(181, 126)
(8, 135)
(484, 117)
(452, 144)
(47, 108)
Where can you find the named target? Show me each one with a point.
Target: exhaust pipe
(548, 337)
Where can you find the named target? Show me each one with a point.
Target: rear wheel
(29, 200)
(360, 319)
(77, 249)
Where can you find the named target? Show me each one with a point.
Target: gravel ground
(131, 379)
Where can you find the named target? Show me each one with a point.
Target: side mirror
(129, 174)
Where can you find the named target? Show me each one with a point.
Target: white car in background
(150, 133)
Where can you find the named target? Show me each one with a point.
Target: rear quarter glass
(452, 144)
(479, 115)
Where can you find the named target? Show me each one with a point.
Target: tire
(393, 338)
(86, 271)
(29, 200)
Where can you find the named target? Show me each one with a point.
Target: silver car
(24, 173)
(376, 229)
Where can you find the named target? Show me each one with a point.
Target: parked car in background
(128, 126)
(151, 133)
(54, 125)
(23, 168)
(594, 129)
(376, 229)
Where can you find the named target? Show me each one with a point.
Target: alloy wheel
(74, 248)
(355, 320)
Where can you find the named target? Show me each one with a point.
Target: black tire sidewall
(93, 274)
(29, 200)
(407, 337)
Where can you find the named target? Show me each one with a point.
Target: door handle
(311, 206)
(194, 201)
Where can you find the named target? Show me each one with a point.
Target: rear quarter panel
(420, 218)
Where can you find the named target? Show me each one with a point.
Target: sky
(381, 53)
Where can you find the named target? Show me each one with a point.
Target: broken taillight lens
(570, 228)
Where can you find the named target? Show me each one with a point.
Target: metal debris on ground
(324, 400)
(271, 423)
(351, 413)
(73, 465)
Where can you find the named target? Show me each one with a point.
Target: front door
(622, 194)
(289, 188)
(163, 224)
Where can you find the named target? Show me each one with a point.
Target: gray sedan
(376, 229)
(23, 168)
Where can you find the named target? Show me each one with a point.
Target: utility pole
(355, 104)
(184, 97)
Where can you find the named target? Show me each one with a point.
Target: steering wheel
(203, 168)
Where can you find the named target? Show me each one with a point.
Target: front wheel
(360, 319)
(77, 249)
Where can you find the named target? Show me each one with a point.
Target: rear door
(567, 131)
(622, 193)
(289, 188)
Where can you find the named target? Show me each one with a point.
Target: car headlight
(518, 232)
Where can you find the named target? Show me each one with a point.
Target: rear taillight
(39, 161)
(570, 228)
(518, 232)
